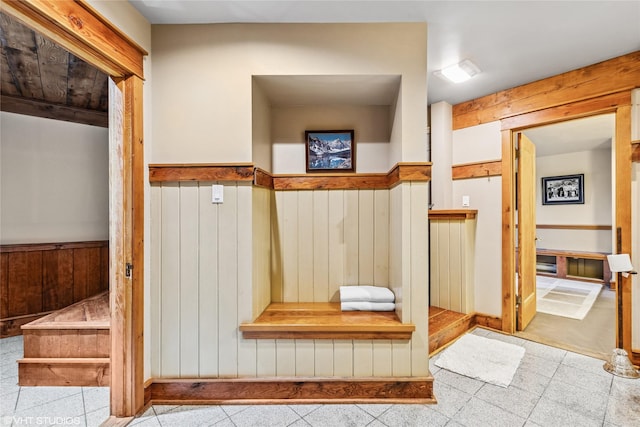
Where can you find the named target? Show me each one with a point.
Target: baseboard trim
(290, 390)
(488, 321)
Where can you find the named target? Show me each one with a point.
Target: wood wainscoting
(37, 279)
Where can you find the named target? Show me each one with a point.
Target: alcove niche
(329, 229)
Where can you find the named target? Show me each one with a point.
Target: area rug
(566, 298)
(488, 360)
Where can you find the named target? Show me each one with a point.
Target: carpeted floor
(594, 335)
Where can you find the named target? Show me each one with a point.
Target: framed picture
(563, 190)
(330, 150)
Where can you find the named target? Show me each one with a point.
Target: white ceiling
(513, 42)
(590, 133)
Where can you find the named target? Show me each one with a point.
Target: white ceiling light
(460, 72)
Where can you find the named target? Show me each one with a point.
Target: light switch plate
(217, 193)
(465, 201)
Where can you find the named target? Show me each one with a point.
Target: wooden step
(85, 372)
(66, 343)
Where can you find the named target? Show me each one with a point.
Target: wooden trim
(488, 321)
(477, 170)
(80, 29)
(623, 172)
(508, 234)
(572, 227)
(201, 172)
(588, 82)
(572, 254)
(262, 178)
(574, 110)
(331, 182)
(401, 172)
(635, 357)
(635, 151)
(30, 247)
(292, 390)
(32, 107)
(325, 321)
(456, 214)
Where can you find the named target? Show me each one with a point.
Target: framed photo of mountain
(330, 151)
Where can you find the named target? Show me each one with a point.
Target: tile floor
(552, 387)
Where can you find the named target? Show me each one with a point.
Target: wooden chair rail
(324, 321)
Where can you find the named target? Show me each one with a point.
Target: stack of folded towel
(366, 298)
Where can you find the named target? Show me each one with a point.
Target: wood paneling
(293, 390)
(588, 82)
(39, 278)
(96, 41)
(477, 170)
(36, 108)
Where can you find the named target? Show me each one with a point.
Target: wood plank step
(324, 321)
(90, 313)
(86, 372)
(67, 343)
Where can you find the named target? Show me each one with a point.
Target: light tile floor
(552, 387)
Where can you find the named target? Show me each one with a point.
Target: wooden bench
(561, 268)
(325, 321)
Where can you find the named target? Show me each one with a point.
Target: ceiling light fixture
(460, 72)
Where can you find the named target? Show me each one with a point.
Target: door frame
(618, 104)
(80, 29)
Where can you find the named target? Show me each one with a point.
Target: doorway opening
(574, 207)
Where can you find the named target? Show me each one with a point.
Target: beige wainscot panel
(197, 264)
(329, 238)
(452, 260)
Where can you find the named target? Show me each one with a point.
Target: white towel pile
(366, 298)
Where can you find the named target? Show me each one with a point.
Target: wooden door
(526, 211)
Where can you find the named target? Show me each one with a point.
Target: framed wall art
(330, 151)
(563, 190)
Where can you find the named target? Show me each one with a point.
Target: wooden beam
(31, 107)
(294, 390)
(623, 221)
(477, 170)
(95, 40)
(448, 214)
(577, 85)
(573, 110)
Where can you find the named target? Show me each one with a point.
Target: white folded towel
(367, 306)
(366, 293)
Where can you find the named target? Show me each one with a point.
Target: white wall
(441, 155)
(371, 134)
(476, 144)
(202, 112)
(596, 210)
(54, 180)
